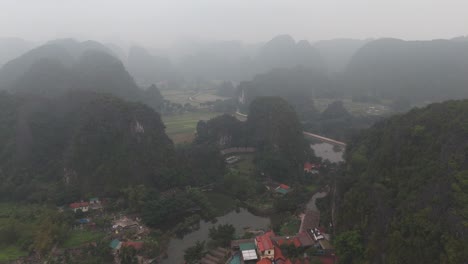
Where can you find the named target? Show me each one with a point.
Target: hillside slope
(404, 197)
(78, 143)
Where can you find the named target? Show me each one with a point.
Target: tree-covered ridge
(404, 196)
(298, 85)
(417, 70)
(58, 67)
(54, 149)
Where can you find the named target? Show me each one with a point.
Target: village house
(83, 206)
(311, 168)
(265, 246)
(124, 223)
(283, 189)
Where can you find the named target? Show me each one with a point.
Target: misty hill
(336, 53)
(61, 66)
(272, 127)
(11, 48)
(297, 85)
(283, 52)
(417, 70)
(65, 51)
(81, 142)
(148, 69)
(404, 196)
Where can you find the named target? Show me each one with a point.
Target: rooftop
(264, 241)
(247, 246)
(78, 205)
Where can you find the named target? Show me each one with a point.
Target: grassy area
(246, 165)
(354, 108)
(11, 253)
(178, 96)
(290, 227)
(80, 237)
(182, 127)
(221, 203)
(311, 187)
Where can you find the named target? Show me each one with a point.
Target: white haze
(161, 22)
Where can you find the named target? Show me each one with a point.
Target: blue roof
(83, 220)
(114, 243)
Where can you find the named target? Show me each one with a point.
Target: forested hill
(404, 197)
(417, 70)
(65, 65)
(82, 142)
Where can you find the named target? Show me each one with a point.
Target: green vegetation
(10, 253)
(80, 237)
(221, 203)
(290, 226)
(222, 235)
(183, 126)
(24, 228)
(194, 254)
(404, 192)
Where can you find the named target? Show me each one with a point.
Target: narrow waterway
(239, 220)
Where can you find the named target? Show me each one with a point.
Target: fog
(161, 22)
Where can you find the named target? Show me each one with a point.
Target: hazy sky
(159, 22)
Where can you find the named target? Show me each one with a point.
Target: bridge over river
(311, 135)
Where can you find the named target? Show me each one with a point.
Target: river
(243, 218)
(239, 220)
(328, 151)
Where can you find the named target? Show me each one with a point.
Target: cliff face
(81, 142)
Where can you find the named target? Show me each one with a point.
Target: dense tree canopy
(81, 141)
(404, 195)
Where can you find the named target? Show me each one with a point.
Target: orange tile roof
(79, 205)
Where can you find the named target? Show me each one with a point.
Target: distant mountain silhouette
(11, 48)
(65, 51)
(283, 52)
(337, 53)
(61, 66)
(418, 70)
(148, 69)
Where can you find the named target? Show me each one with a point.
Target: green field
(11, 253)
(355, 108)
(182, 127)
(246, 165)
(178, 96)
(80, 237)
(291, 226)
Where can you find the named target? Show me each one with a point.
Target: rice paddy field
(181, 128)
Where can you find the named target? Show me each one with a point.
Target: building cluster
(266, 248)
(93, 204)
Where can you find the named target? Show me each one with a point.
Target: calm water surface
(326, 151)
(239, 220)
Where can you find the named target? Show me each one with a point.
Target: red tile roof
(135, 245)
(295, 241)
(264, 261)
(328, 260)
(79, 205)
(284, 186)
(278, 254)
(264, 241)
(308, 166)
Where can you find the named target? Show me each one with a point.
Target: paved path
(311, 204)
